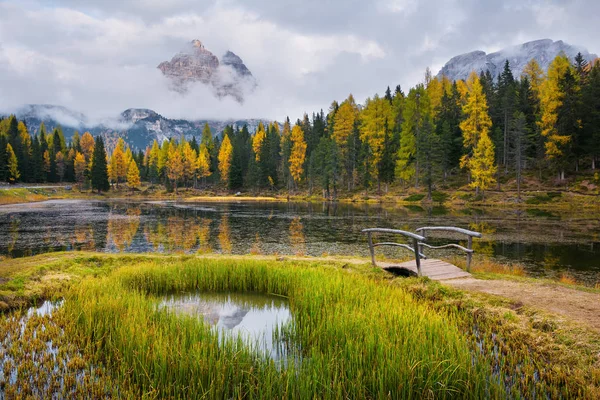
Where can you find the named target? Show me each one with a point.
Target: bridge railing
(417, 239)
(470, 235)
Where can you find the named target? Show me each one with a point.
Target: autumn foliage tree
(298, 154)
(133, 175)
(225, 157)
(480, 157)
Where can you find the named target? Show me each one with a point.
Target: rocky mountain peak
(543, 51)
(234, 61)
(197, 64)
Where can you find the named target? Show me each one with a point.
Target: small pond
(256, 318)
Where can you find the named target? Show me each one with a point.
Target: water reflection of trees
(297, 239)
(204, 235)
(122, 228)
(225, 235)
(14, 233)
(83, 237)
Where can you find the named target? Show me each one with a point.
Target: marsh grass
(359, 337)
(531, 354)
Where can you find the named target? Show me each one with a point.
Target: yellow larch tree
(257, 140)
(203, 162)
(551, 98)
(13, 164)
(475, 128)
(174, 165)
(189, 162)
(225, 157)
(133, 175)
(80, 166)
(87, 146)
(535, 75)
(298, 154)
(375, 118)
(482, 165)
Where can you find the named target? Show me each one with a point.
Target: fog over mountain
(101, 57)
(543, 51)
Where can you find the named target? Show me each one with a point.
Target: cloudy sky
(100, 56)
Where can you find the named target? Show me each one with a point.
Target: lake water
(546, 242)
(253, 317)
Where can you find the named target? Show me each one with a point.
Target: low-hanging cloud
(100, 57)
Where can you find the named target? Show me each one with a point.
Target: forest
(482, 132)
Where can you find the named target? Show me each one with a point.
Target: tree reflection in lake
(547, 242)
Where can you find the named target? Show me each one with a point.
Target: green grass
(360, 333)
(359, 338)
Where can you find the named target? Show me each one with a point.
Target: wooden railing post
(470, 253)
(371, 248)
(417, 255)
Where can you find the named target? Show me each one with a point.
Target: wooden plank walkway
(436, 270)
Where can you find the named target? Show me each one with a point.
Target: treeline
(492, 129)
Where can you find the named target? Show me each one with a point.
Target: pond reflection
(547, 242)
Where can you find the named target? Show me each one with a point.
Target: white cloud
(100, 57)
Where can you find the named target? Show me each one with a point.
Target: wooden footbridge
(422, 265)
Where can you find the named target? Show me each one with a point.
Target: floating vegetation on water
(38, 361)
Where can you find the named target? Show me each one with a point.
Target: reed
(356, 337)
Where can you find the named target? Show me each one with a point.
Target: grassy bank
(532, 198)
(361, 333)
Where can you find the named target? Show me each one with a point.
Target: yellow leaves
(13, 165)
(174, 164)
(376, 113)
(257, 142)
(478, 122)
(203, 162)
(133, 175)
(482, 164)
(189, 161)
(225, 157)
(475, 130)
(343, 124)
(550, 101)
(534, 73)
(87, 146)
(117, 168)
(80, 165)
(298, 153)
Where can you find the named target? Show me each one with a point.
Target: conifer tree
(481, 164)
(80, 167)
(297, 154)
(133, 175)
(476, 125)
(174, 166)
(203, 163)
(189, 162)
(13, 164)
(225, 157)
(372, 132)
(87, 146)
(551, 97)
(99, 169)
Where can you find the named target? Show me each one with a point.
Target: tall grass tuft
(358, 338)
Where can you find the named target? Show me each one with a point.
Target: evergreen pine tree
(99, 168)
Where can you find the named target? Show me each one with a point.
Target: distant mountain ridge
(137, 126)
(544, 51)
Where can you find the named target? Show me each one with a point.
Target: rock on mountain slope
(230, 77)
(544, 51)
(137, 126)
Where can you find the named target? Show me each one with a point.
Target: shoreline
(452, 198)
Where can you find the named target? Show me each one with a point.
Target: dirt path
(573, 304)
